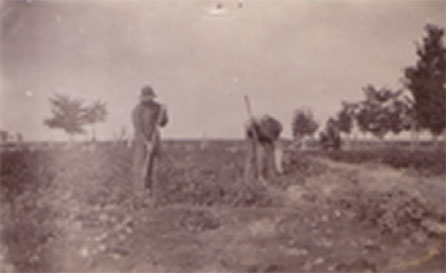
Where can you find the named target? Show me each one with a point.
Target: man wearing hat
(147, 117)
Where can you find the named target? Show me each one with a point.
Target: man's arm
(164, 118)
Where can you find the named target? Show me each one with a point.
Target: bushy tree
(330, 137)
(68, 115)
(400, 115)
(346, 117)
(426, 81)
(94, 113)
(304, 123)
(380, 112)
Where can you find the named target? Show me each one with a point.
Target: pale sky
(202, 60)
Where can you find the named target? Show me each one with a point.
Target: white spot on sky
(58, 18)
(81, 30)
(235, 79)
(218, 9)
(29, 93)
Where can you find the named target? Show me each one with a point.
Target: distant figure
(264, 156)
(147, 117)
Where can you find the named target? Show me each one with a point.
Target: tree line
(420, 105)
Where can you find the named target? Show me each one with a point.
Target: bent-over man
(147, 117)
(264, 155)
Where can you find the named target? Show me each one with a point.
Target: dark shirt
(146, 117)
(265, 129)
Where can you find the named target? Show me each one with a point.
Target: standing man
(147, 117)
(264, 154)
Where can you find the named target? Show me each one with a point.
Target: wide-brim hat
(147, 92)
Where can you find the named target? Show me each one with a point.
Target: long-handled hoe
(258, 170)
